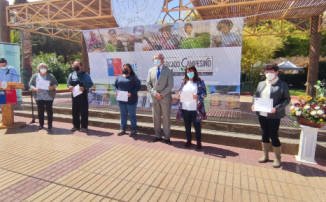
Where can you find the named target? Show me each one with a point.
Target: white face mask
(43, 71)
(270, 76)
(138, 34)
(5, 67)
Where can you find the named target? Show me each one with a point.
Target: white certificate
(186, 97)
(122, 96)
(42, 84)
(76, 91)
(263, 105)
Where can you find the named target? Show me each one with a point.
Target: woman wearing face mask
(194, 110)
(277, 90)
(129, 82)
(44, 97)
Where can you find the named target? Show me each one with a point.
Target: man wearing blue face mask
(159, 84)
(7, 73)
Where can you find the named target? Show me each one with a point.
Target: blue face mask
(157, 63)
(191, 75)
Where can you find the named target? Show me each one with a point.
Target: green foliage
(295, 45)
(59, 69)
(14, 36)
(202, 41)
(258, 51)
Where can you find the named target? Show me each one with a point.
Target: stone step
(242, 140)
(286, 132)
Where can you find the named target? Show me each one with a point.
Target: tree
(14, 36)
(258, 51)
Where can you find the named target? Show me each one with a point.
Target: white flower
(313, 113)
(317, 107)
(298, 113)
(320, 112)
(306, 107)
(292, 107)
(297, 109)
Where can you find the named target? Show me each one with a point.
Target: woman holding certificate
(270, 100)
(43, 85)
(191, 108)
(126, 87)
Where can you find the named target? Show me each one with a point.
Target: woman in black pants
(278, 91)
(44, 97)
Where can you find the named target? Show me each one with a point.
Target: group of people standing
(159, 83)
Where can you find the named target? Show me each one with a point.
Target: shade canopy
(289, 66)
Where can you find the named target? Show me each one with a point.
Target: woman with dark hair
(278, 91)
(114, 41)
(128, 82)
(194, 110)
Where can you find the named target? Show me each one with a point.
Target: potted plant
(311, 111)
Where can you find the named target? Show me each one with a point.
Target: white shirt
(267, 93)
(192, 105)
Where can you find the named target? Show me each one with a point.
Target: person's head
(3, 63)
(191, 74)
(127, 69)
(112, 34)
(271, 71)
(77, 66)
(188, 28)
(139, 29)
(158, 59)
(224, 26)
(42, 68)
(93, 36)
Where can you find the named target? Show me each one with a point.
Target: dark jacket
(280, 95)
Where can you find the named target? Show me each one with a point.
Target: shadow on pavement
(304, 169)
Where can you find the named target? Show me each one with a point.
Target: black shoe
(156, 139)
(74, 129)
(132, 133)
(122, 132)
(40, 127)
(83, 130)
(49, 127)
(168, 141)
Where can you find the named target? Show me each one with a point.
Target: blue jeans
(124, 110)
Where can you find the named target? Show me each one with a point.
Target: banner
(212, 46)
(11, 52)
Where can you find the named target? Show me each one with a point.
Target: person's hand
(273, 111)
(81, 89)
(253, 108)
(158, 96)
(71, 88)
(129, 94)
(195, 97)
(132, 37)
(52, 87)
(116, 93)
(36, 90)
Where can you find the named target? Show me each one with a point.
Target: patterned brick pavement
(100, 166)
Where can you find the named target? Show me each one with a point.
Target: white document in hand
(122, 96)
(186, 97)
(263, 105)
(76, 91)
(42, 84)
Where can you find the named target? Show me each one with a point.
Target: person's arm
(286, 98)
(169, 85)
(149, 84)
(256, 95)
(32, 82)
(53, 82)
(68, 85)
(14, 75)
(87, 81)
(203, 93)
(115, 86)
(137, 86)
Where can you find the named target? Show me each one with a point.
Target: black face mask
(76, 68)
(125, 71)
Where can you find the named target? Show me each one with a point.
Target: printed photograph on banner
(94, 41)
(226, 33)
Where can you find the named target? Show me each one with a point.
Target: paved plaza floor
(101, 166)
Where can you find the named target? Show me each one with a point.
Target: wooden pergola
(66, 18)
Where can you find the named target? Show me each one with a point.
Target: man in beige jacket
(160, 84)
